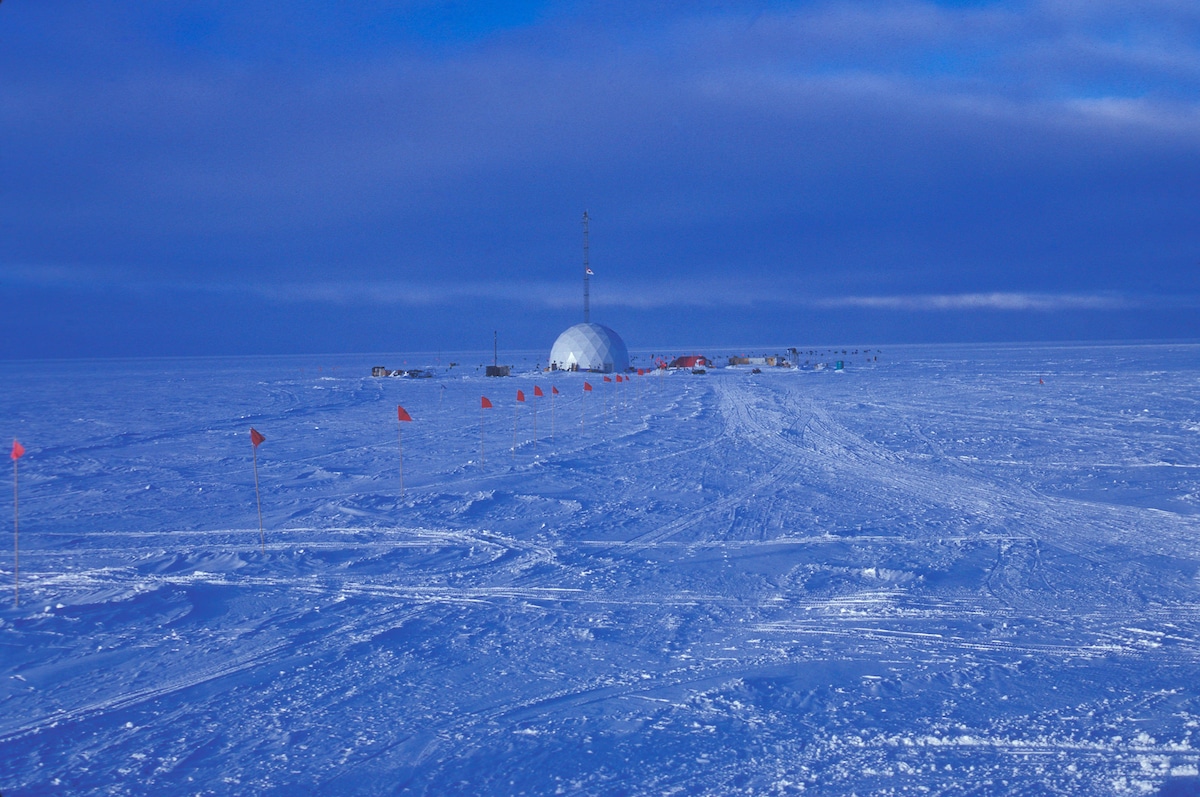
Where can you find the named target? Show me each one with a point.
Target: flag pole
(262, 536)
(401, 416)
(516, 411)
(400, 442)
(256, 438)
(484, 404)
(16, 536)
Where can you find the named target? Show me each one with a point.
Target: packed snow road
(954, 571)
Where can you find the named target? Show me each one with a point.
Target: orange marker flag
(521, 395)
(587, 388)
(404, 417)
(18, 451)
(607, 379)
(484, 404)
(256, 438)
(537, 391)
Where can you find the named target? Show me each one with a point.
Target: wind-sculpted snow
(952, 571)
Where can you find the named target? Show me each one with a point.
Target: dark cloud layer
(411, 175)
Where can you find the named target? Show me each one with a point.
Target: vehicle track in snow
(865, 469)
(826, 452)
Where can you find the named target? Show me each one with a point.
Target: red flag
(520, 395)
(537, 391)
(641, 372)
(606, 379)
(554, 390)
(256, 436)
(403, 413)
(484, 403)
(587, 387)
(619, 379)
(18, 450)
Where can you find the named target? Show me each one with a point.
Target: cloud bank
(1021, 157)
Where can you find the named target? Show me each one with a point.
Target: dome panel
(589, 347)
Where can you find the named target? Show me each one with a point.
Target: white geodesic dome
(589, 347)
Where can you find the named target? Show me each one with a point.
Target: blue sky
(261, 177)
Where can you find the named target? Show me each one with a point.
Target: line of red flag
(257, 438)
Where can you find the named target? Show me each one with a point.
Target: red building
(691, 361)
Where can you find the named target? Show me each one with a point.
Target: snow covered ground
(959, 570)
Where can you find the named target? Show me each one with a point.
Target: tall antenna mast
(587, 272)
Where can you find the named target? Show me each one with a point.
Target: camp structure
(691, 361)
(589, 347)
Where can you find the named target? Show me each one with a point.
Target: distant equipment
(411, 373)
(495, 369)
(691, 361)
